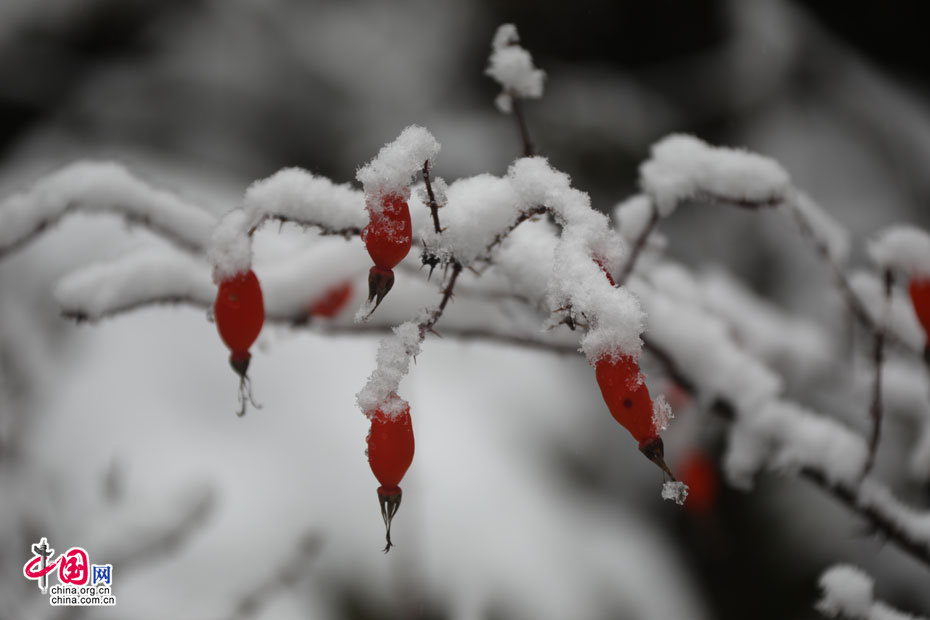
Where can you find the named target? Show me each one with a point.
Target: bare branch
(638, 245)
(348, 232)
(433, 205)
(525, 141)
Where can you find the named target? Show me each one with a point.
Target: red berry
(333, 301)
(700, 474)
(390, 452)
(239, 312)
(627, 396)
(920, 297)
(390, 447)
(389, 233)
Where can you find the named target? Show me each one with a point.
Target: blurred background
(525, 500)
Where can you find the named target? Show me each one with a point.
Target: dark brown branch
(433, 205)
(639, 245)
(524, 216)
(348, 232)
(525, 141)
(875, 408)
(427, 325)
(742, 203)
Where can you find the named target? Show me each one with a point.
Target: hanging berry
(390, 452)
(388, 238)
(628, 400)
(240, 313)
(700, 474)
(332, 302)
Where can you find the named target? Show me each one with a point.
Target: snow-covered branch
(101, 187)
(847, 592)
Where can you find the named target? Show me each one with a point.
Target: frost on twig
(154, 276)
(101, 187)
(684, 168)
(902, 248)
(392, 169)
(847, 592)
(512, 67)
(295, 195)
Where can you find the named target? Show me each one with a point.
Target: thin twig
(427, 324)
(527, 143)
(742, 203)
(347, 232)
(852, 300)
(875, 409)
(638, 245)
(433, 205)
(524, 216)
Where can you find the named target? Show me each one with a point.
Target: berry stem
(638, 245)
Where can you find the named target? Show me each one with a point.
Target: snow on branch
(101, 187)
(830, 238)
(295, 195)
(155, 276)
(684, 168)
(614, 317)
(902, 323)
(847, 592)
(511, 66)
(904, 248)
(395, 164)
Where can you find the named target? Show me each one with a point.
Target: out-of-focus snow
(230, 249)
(827, 232)
(904, 248)
(847, 592)
(101, 187)
(682, 167)
(512, 67)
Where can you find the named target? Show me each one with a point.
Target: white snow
(299, 196)
(392, 169)
(847, 592)
(102, 187)
(512, 67)
(230, 249)
(477, 209)
(783, 436)
(614, 317)
(904, 248)
(675, 491)
(661, 412)
(632, 216)
(155, 275)
(902, 321)
(391, 365)
(683, 167)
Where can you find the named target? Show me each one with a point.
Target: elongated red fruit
(240, 312)
(920, 296)
(388, 238)
(390, 453)
(627, 396)
(628, 400)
